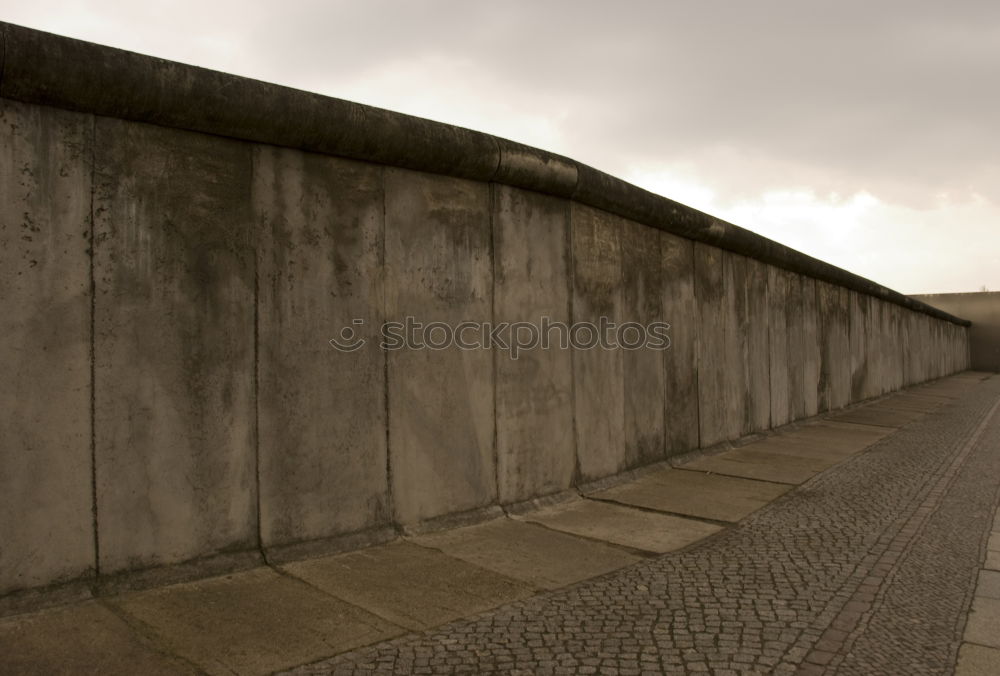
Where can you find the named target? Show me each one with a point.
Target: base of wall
(195, 569)
(456, 520)
(40, 598)
(526, 506)
(312, 549)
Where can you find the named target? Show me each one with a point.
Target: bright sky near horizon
(862, 133)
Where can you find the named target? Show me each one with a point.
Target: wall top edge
(47, 69)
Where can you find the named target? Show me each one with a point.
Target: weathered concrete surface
(322, 412)
(989, 583)
(173, 346)
(977, 660)
(735, 356)
(818, 456)
(439, 269)
(642, 368)
(634, 528)
(692, 493)
(536, 454)
(778, 283)
(757, 362)
(216, 291)
(811, 359)
(716, 422)
(951, 387)
(906, 402)
(754, 463)
(824, 436)
(412, 586)
(984, 622)
(859, 308)
(834, 337)
(983, 309)
(796, 347)
(599, 397)
(85, 638)
(680, 310)
(46, 520)
(543, 558)
(878, 415)
(218, 624)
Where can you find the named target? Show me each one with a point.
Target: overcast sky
(863, 133)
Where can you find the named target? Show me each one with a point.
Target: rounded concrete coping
(42, 68)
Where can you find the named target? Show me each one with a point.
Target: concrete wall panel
(46, 529)
(834, 336)
(713, 317)
(736, 346)
(811, 359)
(322, 417)
(599, 397)
(877, 342)
(859, 309)
(534, 409)
(778, 290)
(642, 297)
(173, 345)
(439, 268)
(796, 351)
(758, 392)
(680, 310)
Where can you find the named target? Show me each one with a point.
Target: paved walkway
(853, 544)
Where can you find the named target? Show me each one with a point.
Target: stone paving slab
(838, 434)
(85, 638)
(753, 462)
(953, 386)
(951, 393)
(984, 622)
(823, 456)
(876, 415)
(697, 494)
(916, 403)
(989, 584)
(992, 561)
(543, 558)
(977, 660)
(795, 456)
(638, 529)
(412, 586)
(254, 622)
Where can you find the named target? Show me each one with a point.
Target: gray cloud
(896, 98)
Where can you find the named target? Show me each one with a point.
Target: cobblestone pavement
(866, 569)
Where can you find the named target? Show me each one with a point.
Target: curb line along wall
(180, 244)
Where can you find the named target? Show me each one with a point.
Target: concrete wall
(168, 390)
(983, 310)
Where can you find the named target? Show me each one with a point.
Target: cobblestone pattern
(864, 569)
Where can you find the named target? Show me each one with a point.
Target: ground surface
(856, 544)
